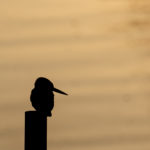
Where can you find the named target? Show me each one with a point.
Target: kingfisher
(42, 96)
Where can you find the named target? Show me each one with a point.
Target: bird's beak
(59, 91)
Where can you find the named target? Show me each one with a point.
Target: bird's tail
(49, 114)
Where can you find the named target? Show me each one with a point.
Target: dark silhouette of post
(42, 99)
(35, 131)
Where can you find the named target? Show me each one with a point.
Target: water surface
(97, 51)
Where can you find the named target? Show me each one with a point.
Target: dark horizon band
(59, 91)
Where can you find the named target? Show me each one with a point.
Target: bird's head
(45, 84)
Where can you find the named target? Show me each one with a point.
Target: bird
(42, 96)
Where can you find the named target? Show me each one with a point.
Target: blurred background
(98, 51)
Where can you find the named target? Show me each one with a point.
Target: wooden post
(35, 131)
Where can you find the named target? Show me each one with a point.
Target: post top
(35, 113)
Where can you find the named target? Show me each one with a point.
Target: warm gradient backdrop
(98, 51)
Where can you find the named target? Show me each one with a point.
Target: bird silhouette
(42, 96)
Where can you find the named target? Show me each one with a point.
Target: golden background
(98, 51)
